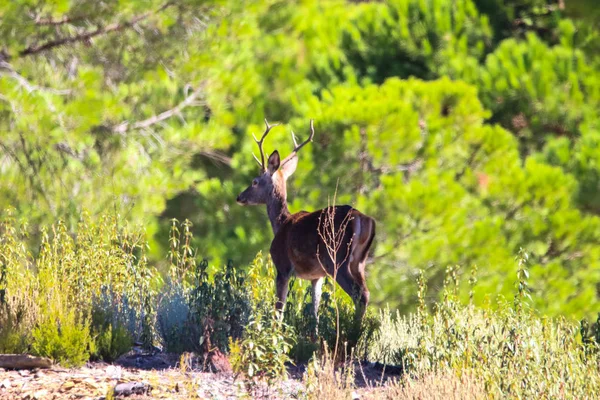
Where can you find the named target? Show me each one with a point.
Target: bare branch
(39, 20)
(188, 101)
(216, 156)
(7, 70)
(31, 50)
(333, 239)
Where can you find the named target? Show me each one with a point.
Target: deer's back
(304, 234)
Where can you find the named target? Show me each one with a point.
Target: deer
(299, 246)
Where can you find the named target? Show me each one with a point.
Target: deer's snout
(241, 200)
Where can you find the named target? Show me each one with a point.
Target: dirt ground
(157, 376)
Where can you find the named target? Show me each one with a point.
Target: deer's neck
(277, 208)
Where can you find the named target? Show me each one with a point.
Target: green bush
(515, 351)
(63, 334)
(264, 347)
(64, 300)
(220, 304)
(299, 315)
(112, 342)
(197, 310)
(111, 337)
(263, 350)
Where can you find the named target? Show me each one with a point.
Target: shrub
(197, 311)
(18, 293)
(173, 319)
(221, 305)
(299, 315)
(111, 336)
(516, 352)
(48, 300)
(263, 350)
(63, 334)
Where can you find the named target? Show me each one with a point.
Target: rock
(23, 361)
(129, 388)
(114, 372)
(5, 384)
(40, 394)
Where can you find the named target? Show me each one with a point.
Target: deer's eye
(255, 182)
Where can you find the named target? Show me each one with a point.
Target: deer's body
(300, 247)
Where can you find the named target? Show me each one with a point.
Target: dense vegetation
(469, 129)
(54, 304)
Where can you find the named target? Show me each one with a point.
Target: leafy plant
(63, 334)
(110, 335)
(515, 351)
(262, 352)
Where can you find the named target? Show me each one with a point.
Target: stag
(334, 241)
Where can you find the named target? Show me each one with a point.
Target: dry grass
(443, 385)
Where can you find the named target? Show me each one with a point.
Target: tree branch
(188, 101)
(216, 156)
(31, 50)
(39, 20)
(4, 66)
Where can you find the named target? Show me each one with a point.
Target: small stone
(40, 394)
(5, 384)
(355, 396)
(127, 389)
(114, 372)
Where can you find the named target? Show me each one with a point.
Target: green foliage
(263, 350)
(69, 299)
(299, 315)
(152, 120)
(112, 342)
(62, 334)
(262, 353)
(111, 338)
(221, 305)
(199, 311)
(538, 91)
(449, 189)
(515, 351)
(406, 38)
(517, 18)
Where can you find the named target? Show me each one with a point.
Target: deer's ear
(289, 167)
(273, 164)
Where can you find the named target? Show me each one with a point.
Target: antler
(260, 143)
(298, 147)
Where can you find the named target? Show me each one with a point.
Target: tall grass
(48, 299)
(506, 350)
(91, 293)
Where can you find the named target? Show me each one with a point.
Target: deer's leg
(356, 289)
(317, 286)
(363, 294)
(364, 229)
(281, 284)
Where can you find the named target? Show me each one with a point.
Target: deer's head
(274, 174)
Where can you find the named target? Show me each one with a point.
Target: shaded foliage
(469, 128)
